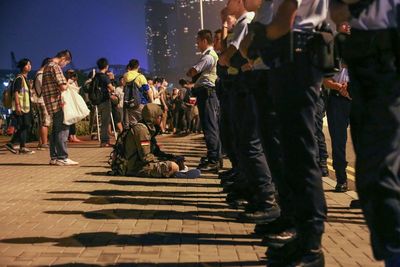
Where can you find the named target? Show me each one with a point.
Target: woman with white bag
(72, 78)
(75, 108)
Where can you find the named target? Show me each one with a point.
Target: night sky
(91, 29)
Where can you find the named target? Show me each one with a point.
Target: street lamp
(201, 15)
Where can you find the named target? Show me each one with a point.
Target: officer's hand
(247, 67)
(245, 44)
(223, 61)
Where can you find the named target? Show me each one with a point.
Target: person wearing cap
(140, 153)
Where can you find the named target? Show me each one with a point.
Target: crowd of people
(259, 92)
(180, 113)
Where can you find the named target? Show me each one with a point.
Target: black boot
(280, 238)
(265, 212)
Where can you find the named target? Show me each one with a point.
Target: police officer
(295, 84)
(338, 114)
(372, 55)
(281, 230)
(252, 163)
(140, 152)
(204, 74)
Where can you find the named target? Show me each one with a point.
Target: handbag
(74, 107)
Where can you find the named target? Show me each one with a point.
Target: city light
(6, 83)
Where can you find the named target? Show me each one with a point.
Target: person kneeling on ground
(135, 147)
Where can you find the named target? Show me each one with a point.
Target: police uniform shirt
(309, 14)
(265, 13)
(240, 30)
(381, 14)
(264, 16)
(206, 63)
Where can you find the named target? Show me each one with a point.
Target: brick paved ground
(79, 216)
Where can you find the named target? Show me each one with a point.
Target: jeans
(104, 110)
(59, 137)
(22, 125)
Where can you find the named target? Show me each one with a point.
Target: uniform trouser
(251, 158)
(375, 130)
(295, 88)
(208, 105)
(226, 134)
(270, 136)
(322, 154)
(104, 110)
(338, 114)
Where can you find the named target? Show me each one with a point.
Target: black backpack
(132, 94)
(94, 90)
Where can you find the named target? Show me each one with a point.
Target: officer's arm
(283, 20)
(192, 72)
(225, 58)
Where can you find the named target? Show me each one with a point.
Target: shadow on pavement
(149, 182)
(144, 201)
(116, 214)
(99, 239)
(182, 264)
(25, 164)
(180, 194)
(346, 220)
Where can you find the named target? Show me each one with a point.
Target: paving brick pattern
(79, 216)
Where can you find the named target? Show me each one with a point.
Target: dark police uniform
(372, 54)
(207, 102)
(251, 158)
(295, 85)
(338, 114)
(258, 84)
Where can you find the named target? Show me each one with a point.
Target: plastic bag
(74, 107)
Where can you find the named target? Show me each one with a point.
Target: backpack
(132, 94)
(94, 90)
(118, 159)
(8, 95)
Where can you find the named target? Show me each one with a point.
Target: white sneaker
(53, 162)
(66, 162)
